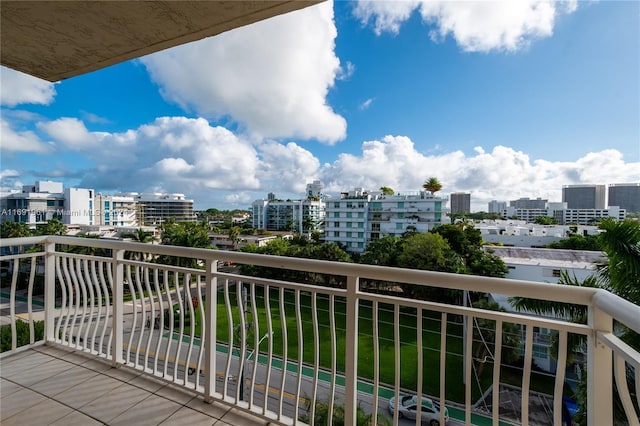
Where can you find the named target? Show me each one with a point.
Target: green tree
(185, 234)
(234, 236)
(432, 185)
(14, 230)
(546, 220)
(386, 190)
(52, 227)
(578, 242)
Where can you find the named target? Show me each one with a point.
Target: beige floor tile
(43, 413)
(7, 387)
(40, 372)
(151, 411)
(88, 391)
(237, 417)
(76, 418)
(149, 383)
(18, 402)
(18, 363)
(114, 403)
(176, 393)
(65, 380)
(215, 409)
(187, 416)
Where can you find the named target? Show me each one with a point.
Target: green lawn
(408, 337)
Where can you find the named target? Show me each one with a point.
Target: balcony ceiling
(54, 40)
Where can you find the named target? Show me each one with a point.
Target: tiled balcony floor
(55, 386)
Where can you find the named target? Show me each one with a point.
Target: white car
(408, 408)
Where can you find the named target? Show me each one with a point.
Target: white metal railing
(267, 346)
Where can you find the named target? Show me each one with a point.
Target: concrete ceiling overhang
(54, 40)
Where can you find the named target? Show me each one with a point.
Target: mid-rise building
(154, 209)
(496, 206)
(626, 196)
(526, 203)
(115, 210)
(303, 216)
(460, 202)
(564, 215)
(34, 204)
(78, 206)
(360, 216)
(314, 190)
(584, 196)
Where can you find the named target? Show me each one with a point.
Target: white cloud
(287, 167)
(71, 132)
(9, 173)
(502, 173)
(477, 26)
(366, 104)
(21, 141)
(19, 88)
(271, 77)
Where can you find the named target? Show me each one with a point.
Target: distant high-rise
(526, 203)
(460, 202)
(626, 196)
(315, 189)
(584, 196)
(497, 206)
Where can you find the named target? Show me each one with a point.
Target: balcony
(161, 333)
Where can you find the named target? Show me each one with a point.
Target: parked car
(408, 408)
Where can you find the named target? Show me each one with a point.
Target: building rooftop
(550, 257)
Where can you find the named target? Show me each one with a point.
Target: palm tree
(432, 185)
(386, 190)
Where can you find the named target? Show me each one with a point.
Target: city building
(460, 202)
(291, 215)
(518, 233)
(526, 203)
(155, 208)
(584, 196)
(360, 216)
(45, 200)
(626, 196)
(34, 204)
(314, 190)
(496, 206)
(564, 215)
(115, 210)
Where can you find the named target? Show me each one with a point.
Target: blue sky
(503, 100)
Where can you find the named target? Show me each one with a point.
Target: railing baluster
(50, 260)
(192, 324)
(267, 380)
(210, 332)
(468, 365)
(97, 346)
(300, 353)
(230, 335)
(32, 274)
(560, 375)
(143, 317)
(334, 353)
(526, 374)
(396, 355)
(12, 304)
(351, 346)
(156, 284)
(420, 362)
(256, 342)
(203, 328)
(316, 352)
(285, 343)
(376, 357)
(443, 362)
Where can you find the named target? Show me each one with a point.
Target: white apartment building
(78, 206)
(360, 216)
(564, 215)
(34, 204)
(45, 200)
(115, 210)
(303, 216)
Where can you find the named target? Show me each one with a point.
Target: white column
(117, 318)
(50, 290)
(210, 330)
(599, 371)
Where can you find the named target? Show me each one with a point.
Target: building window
(556, 273)
(348, 214)
(360, 214)
(336, 233)
(398, 226)
(336, 205)
(348, 234)
(360, 245)
(348, 224)
(336, 214)
(360, 234)
(360, 225)
(336, 224)
(400, 204)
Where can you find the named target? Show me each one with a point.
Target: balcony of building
(111, 332)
